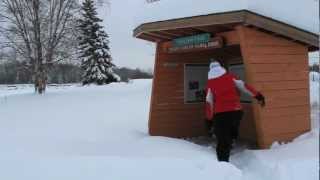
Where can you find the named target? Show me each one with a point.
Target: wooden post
(154, 85)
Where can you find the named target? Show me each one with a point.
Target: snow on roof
(303, 14)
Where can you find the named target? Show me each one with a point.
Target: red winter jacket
(223, 93)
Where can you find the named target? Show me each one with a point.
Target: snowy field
(86, 133)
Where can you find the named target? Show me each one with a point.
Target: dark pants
(226, 128)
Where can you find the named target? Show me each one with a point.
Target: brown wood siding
(247, 126)
(169, 115)
(279, 69)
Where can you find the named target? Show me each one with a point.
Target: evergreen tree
(94, 48)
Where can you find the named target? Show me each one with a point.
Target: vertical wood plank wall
(279, 69)
(169, 115)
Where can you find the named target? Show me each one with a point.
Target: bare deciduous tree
(152, 1)
(41, 31)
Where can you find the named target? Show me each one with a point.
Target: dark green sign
(191, 40)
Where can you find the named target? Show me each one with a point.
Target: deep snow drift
(75, 132)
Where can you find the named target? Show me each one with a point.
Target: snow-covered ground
(315, 98)
(84, 133)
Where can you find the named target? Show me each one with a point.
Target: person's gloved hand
(261, 99)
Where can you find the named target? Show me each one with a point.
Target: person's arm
(209, 104)
(247, 89)
(210, 97)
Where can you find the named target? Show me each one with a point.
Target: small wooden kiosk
(270, 55)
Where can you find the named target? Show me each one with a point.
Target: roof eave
(194, 21)
(244, 17)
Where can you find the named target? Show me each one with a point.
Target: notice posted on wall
(195, 81)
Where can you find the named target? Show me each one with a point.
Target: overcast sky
(119, 20)
(119, 23)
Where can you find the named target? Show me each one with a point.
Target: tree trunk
(41, 32)
(40, 81)
(40, 69)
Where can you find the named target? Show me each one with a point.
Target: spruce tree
(94, 48)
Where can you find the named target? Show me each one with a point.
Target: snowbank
(315, 98)
(315, 77)
(314, 87)
(82, 133)
(13, 89)
(314, 58)
(294, 161)
(113, 168)
(95, 133)
(288, 11)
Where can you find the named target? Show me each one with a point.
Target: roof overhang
(168, 30)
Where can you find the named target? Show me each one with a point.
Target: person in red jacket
(224, 109)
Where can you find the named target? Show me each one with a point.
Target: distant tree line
(14, 72)
(126, 74)
(315, 67)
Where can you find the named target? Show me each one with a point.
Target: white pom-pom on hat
(216, 70)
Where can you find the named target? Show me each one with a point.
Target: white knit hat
(216, 70)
